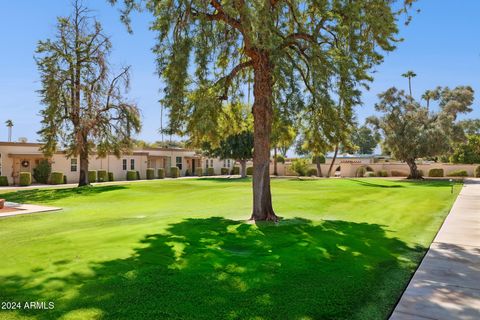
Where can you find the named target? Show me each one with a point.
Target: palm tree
(9, 124)
(409, 74)
(429, 95)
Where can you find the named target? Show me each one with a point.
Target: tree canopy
(306, 52)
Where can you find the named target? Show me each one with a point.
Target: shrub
(224, 171)
(235, 170)
(138, 175)
(458, 173)
(477, 172)
(161, 173)
(199, 172)
(312, 172)
(3, 181)
(210, 171)
(369, 174)
(360, 172)
(131, 175)
(92, 176)
(64, 179)
(42, 172)
(435, 173)
(150, 174)
(249, 171)
(300, 166)
(56, 178)
(102, 175)
(420, 172)
(280, 159)
(187, 173)
(396, 173)
(25, 179)
(382, 173)
(110, 176)
(174, 172)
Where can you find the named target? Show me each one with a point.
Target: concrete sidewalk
(446, 286)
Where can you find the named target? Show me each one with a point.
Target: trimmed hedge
(199, 172)
(224, 171)
(3, 181)
(25, 179)
(396, 173)
(56, 177)
(435, 173)
(382, 173)
(210, 171)
(131, 175)
(280, 159)
(174, 172)
(458, 173)
(477, 172)
(360, 172)
(161, 173)
(92, 176)
(235, 170)
(312, 172)
(138, 175)
(150, 174)
(369, 174)
(110, 176)
(249, 171)
(102, 175)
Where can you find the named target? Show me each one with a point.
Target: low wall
(401, 169)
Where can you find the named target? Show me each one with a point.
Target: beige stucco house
(18, 157)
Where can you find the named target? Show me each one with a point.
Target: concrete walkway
(447, 283)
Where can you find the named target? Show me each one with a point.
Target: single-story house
(16, 157)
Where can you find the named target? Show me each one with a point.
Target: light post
(451, 182)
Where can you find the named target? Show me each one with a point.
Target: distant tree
(84, 104)
(410, 131)
(283, 137)
(468, 152)
(365, 139)
(228, 41)
(470, 126)
(409, 75)
(430, 95)
(9, 124)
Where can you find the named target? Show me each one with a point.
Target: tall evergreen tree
(311, 42)
(85, 110)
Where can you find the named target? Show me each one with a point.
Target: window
(228, 163)
(132, 164)
(124, 164)
(224, 163)
(73, 165)
(211, 163)
(206, 163)
(178, 162)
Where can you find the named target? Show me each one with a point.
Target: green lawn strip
(345, 249)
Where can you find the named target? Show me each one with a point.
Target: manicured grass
(345, 249)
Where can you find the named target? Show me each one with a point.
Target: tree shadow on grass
(47, 195)
(217, 268)
(376, 185)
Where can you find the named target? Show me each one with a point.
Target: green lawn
(345, 249)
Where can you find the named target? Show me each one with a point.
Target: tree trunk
(333, 161)
(262, 124)
(414, 173)
(243, 168)
(275, 172)
(83, 179)
(319, 167)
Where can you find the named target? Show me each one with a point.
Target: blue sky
(441, 45)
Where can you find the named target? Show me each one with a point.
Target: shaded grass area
(137, 252)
